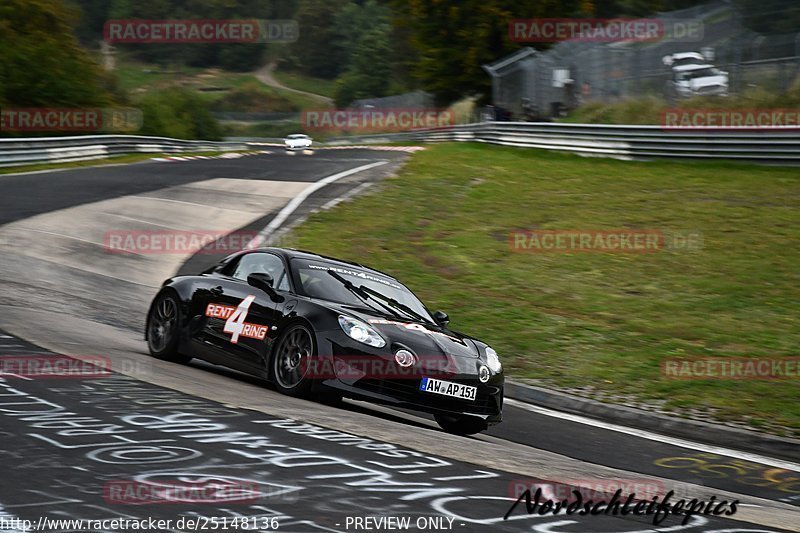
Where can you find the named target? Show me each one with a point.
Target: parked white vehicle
(684, 58)
(297, 141)
(699, 80)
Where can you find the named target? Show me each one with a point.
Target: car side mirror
(441, 318)
(263, 281)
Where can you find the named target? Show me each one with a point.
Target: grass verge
(596, 323)
(649, 109)
(301, 82)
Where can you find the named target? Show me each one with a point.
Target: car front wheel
(163, 329)
(290, 361)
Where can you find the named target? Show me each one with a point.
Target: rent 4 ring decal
(234, 320)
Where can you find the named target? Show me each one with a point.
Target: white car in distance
(297, 141)
(693, 75)
(684, 58)
(699, 80)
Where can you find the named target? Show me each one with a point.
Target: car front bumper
(402, 389)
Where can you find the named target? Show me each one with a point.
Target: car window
(702, 73)
(262, 262)
(314, 281)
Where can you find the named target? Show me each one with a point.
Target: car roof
(693, 66)
(291, 253)
(687, 55)
(296, 135)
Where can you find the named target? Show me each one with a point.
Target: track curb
(748, 441)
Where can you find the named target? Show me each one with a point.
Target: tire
(288, 368)
(460, 424)
(163, 329)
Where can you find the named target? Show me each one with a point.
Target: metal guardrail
(777, 146)
(618, 141)
(38, 150)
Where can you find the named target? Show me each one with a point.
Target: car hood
(708, 81)
(422, 338)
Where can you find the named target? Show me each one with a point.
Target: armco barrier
(776, 146)
(618, 141)
(15, 152)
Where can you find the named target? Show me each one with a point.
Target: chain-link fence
(533, 85)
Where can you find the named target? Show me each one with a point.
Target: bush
(648, 110)
(639, 111)
(178, 113)
(253, 97)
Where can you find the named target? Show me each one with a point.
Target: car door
(242, 319)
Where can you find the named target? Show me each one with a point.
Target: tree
(453, 39)
(233, 56)
(364, 33)
(450, 40)
(370, 71)
(41, 62)
(178, 113)
(318, 50)
(770, 16)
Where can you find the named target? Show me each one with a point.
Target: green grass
(213, 85)
(302, 82)
(648, 109)
(595, 320)
(138, 77)
(300, 101)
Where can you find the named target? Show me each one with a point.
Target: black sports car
(313, 324)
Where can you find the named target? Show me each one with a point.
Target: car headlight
(361, 332)
(492, 360)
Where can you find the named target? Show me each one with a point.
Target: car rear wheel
(290, 361)
(163, 329)
(460, 424)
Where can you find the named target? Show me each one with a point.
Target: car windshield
(703, 73)
(687, 61)
(313, 279)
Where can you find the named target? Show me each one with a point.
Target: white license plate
(448, 388)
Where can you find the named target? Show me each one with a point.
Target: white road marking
(176, 201)
(25, 378)
(55, 234)
(642, 434)
(346, 196)
(65, 169)
(139, 220)
(289, 208)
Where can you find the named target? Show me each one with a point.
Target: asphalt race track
(72, 446)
